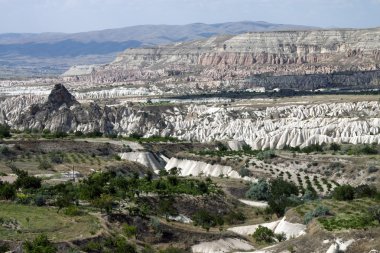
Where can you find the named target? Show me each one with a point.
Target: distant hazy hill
(34, 52)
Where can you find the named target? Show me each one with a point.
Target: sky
(35, 16)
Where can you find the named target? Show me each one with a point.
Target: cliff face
(244, 56)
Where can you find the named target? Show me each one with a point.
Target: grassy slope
(58, 226)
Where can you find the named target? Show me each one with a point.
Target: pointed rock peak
(60, 95)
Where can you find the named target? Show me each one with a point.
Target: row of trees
(281, 194)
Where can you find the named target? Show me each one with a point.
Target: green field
(20, 222)
(344, 214)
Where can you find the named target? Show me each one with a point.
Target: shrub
(372, 169)
(319, 211)
(280, 193)
(280, 237)
(4, 131)
(60, 135)
(39, 200)
(343, 192)
(365, 191)
(56, 158)
(72, 211)
(78, 133)
(27, 182)
(44, 165)
(172, 250)
(40, 244)
(129, 231)
(263, 235)
(244, 172)
(207, 220)
(266, 155)
(7, 191)
(4, 247)
(334, 147)
(259, 190)
(375, 212)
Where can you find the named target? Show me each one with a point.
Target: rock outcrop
(308, 60)
(272, 127)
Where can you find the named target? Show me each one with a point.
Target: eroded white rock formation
(272, 127)
(278, 227)
(222, 246)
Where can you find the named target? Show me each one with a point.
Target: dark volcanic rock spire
(60, 95)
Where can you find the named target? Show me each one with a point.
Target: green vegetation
(110, 244)
(4, 131)
(282, 195)
(129, 231)
(154, 138)
(263, 235)
(319, 211)
(207, 220)
(25, 221)
(40, 244)
(337, 215)
(259, 191)
(344, 149)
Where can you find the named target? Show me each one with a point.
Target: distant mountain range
(52, 53)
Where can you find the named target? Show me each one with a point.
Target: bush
(266, 155)
(207, 220)
(263, 235)
(172, 250)
(365, 191)
(4, 131)
(319, 211)
(72, 211)
(39, 200)
(60, 135)
(244, 172)
(259, 190)
(4, 247)
(40, 244)
(280, 237)
(344, 192)
(44, 165)
(372, 169)
(280, 196)
(7, 191)
(129, 231)
(334, 147)
(375, 212)
(27, 182)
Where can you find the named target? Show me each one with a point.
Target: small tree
(104, 202)
(344, 192)
(263, 235)
(4, 131)
(44, 165)
(7, 191)
(280, 196)
(259, 190)
(40, 244)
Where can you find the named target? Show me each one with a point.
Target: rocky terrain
(270, 127)
(294, 59)
(47, 54)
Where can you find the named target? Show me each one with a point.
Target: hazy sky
(84, 15)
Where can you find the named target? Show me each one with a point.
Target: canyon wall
(328, 58)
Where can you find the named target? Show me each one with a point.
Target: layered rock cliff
(331, 57)
(269, 127)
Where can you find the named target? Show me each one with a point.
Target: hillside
(52, 53)
(284, 59)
